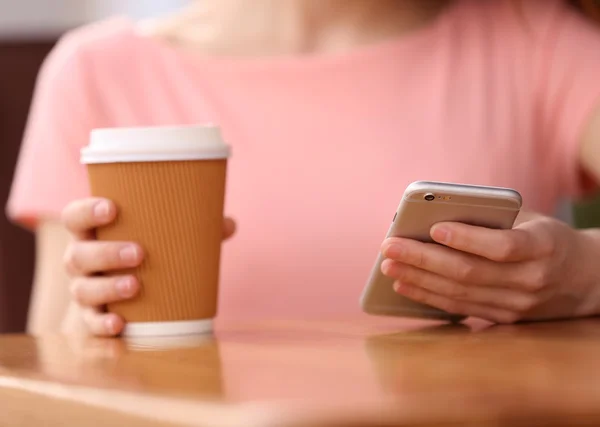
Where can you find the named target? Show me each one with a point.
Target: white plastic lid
(155, 144)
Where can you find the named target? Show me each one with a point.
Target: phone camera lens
(429, 197)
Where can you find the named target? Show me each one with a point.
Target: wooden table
(371, 372)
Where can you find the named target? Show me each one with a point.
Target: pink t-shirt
(324, 145)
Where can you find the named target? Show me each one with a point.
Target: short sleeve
(48, 174)
(568, 75)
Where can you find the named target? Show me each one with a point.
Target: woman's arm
(50, 296)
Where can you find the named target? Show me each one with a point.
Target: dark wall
(19, 64)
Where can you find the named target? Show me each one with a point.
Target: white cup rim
(155, 144)
(168, 329)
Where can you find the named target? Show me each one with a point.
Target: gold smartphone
(423, 205)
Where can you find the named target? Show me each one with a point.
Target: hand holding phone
(423, 205)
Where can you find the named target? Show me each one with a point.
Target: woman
(332, 108)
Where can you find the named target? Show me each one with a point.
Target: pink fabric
(324, 146)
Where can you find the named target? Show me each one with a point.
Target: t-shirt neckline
(360, 54)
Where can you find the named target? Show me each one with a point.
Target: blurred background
(28, 31)
(46, 18)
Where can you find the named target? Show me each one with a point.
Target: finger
(497, 245)
(88, 257)
(452, 306)
(102, 324)
(229, 228)
(81, 217)
(447, 262)
(97, 291)
(502, 298)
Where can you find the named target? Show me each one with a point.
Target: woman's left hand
(541, 269)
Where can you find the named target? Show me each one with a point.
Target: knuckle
(71, 214)
(547, 231)
(466, 271)
(71, 260)
(77, 289)
(506, 249)
(537, 280)
(546, 247)
(420, 259)
(459, 292)
(66, 214)
(79, 215)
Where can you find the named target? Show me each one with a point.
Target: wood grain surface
(363, 372)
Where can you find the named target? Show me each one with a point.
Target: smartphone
(424, 204)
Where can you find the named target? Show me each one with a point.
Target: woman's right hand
(86, 258)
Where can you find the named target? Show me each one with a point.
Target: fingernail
(129, 255)
(102, 210)
(440, 234)
(395, 251)
(126, 287)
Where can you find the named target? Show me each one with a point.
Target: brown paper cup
(174, 209)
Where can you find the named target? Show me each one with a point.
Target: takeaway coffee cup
(168, 184)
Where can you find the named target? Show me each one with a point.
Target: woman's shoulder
(104, 71)
(99, 43)
(100, 62)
